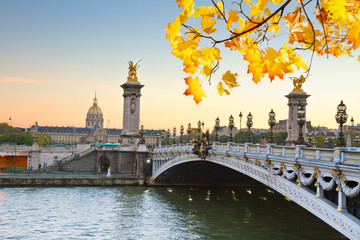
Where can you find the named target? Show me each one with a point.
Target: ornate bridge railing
(291, 171)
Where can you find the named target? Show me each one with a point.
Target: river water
(155, 213)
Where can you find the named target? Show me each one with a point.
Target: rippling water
(155, 213)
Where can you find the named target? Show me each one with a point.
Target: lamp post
(290, 134)
(199, 129)
(249, 124)
(157, 138)
(357, 140)
(231, 126)
(189, 131)
(168, 136)
(163, 137)
(326, 142)
(174, 133)
(301, 121)
(313, 142)
(352, 129)
(240, 116)
(142, 139)
(341, 118)
(181, 133)
(217, 126)
(271, 123)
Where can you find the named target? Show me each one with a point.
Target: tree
(330, 27)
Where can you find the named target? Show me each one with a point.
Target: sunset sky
(54, 55)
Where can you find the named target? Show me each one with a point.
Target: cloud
(8, 79)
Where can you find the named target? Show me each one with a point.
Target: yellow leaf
(205, 11)
(185, 3)
(207, 24)
(209, 55)
(221, 89)
(194, 89)
(258, 8)
(173, 29)
(256, 64)
(232, 17)
(336, 8)
(230, 79)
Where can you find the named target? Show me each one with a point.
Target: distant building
(92, 132)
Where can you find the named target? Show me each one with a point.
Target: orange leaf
(194, 89)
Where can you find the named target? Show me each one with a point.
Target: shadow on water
(244, 213)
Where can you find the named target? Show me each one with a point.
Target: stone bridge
(326, 182)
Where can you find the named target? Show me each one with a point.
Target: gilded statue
(298, 83)
(132, 71)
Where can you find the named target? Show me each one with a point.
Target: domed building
(94, 116)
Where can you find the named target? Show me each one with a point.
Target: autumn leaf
(232, 17)
(354, 34)
(221, 89)
(194, 89)
(207, 24)
(336, 8)
(230, 79)
(173, 29)
(256, 64)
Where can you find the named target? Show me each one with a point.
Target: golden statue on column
(298, 83)
(132, 71)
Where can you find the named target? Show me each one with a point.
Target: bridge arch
(259, 168)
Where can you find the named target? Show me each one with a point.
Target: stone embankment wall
(74, 181)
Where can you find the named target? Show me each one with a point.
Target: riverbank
(50, 180)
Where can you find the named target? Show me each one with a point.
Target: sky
(54, 55)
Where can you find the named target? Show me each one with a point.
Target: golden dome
(94, 109)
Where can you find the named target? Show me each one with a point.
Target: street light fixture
(231, 126)
(271, 123)
(217, 126)
(189, 131)
(157, 138)
(168, 136)
(181, 133)
(199, 129)
(326, 141)
(240, 116)
(249, 124)
(163, 137)
(174, 133)
(341, 118)
(301, 121)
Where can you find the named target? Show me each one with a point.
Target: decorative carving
(132, 105)
(132, 71)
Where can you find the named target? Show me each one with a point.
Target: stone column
(295, 99)
(131, 113)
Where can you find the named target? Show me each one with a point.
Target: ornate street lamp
(249, 124)
(357, 140)
(163, 137)
(174, 133)
(157, 139)
(271, 123)
(199, 129)
(313, 141)
(168, 136)
(240, 116)
(181, 133)
(217, 126)
(301, 121)
(231, 126)
(142, 132)
(189, 131)
(341, 118)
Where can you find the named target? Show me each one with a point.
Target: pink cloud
(8, 79)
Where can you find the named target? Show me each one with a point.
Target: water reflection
(155, 213)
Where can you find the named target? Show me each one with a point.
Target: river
(155, 213)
